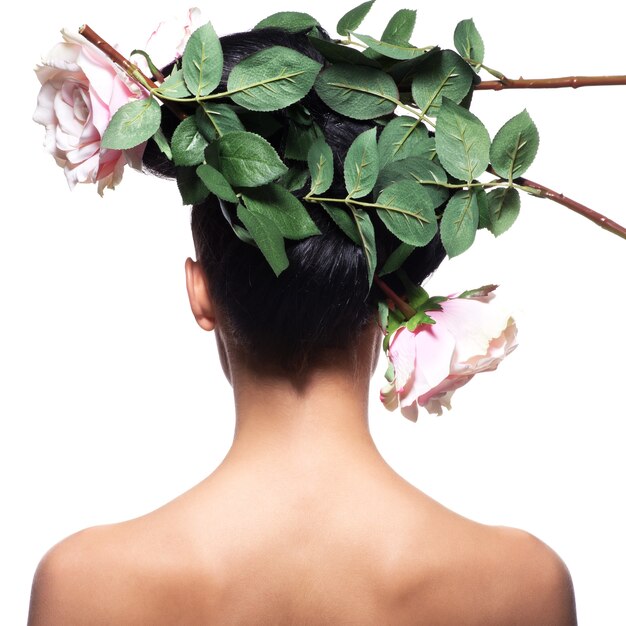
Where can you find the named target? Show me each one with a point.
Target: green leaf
(382, 60)
(459, 222)
(396, 259)
(239, 231)
(296, 178)
(132, 124)
(248, 160)
(161, 141)
(361, 166)
(468, 42)
(515, 146)
(216, 183)
(421, 170)
(188, 143)
(300, 139)
(407, 211)
(404, 136)
(484, 219)
(480, 292)
(293, 21)
(215, 120)
(204, 125)
(403, 72)
(212, 155)
(337, 53)
(443, 75)
(283, 208)
(192, 189)
(363, 93)
(174, 85)
(344, 220)
(400, 27)
(401, 52)
(383, 319)
(462, 142)
(368, 240)
(420, 318)
(299, 114)
(320, 161)
(504, 206)
(396, 319)
(272, 79)
(243, 234)
(353, 18)
(203, 61)
(267, 237)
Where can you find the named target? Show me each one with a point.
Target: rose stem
(594, 216)
(130, 68)
(550, 83)
(404, 307)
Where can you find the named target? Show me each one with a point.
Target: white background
(112, 401)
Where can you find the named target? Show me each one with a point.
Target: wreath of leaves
(421, 170)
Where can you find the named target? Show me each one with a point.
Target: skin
(302, 523)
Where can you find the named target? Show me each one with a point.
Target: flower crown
(421, 172)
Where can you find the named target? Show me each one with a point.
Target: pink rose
(168, 40)
(80, 91)
(434, 360)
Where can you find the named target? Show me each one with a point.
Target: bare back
(264, 549)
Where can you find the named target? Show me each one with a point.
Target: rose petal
(62, 58)
(434, 347)
(110, 174)
(402, 355)
(134, 156)
(66, 120)
(473, 324)
(84, 172)
(409, 411)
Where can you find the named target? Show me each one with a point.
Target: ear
(199, 296)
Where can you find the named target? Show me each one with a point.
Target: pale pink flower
(434, 360)
(168, 40)
(80, 91)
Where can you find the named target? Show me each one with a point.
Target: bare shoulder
(72, 577)
(535, 580)
(462, 572)
(106, 575)
(480, 575)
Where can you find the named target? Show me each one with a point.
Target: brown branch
(404, 307)
(590, 214)
(130, 68)
(550, 83)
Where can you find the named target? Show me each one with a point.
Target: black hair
(323, 299)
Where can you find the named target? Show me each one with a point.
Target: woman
(303, 522)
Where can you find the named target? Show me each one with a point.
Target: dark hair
(322, 300)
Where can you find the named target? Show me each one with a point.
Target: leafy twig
(550, 83)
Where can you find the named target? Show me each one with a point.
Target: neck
(308, 423)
